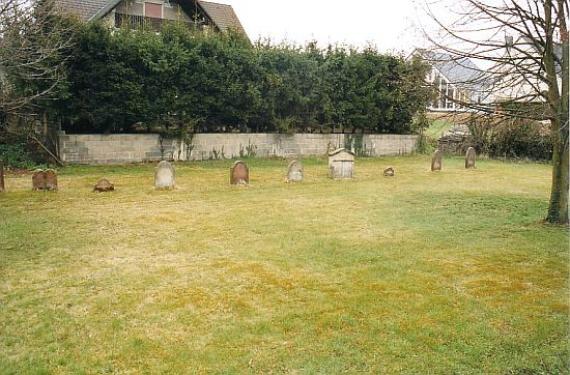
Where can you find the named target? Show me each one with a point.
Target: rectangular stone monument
(436, 161)
(470, 158)
(341, 164)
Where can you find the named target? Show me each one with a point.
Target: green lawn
(424, 273)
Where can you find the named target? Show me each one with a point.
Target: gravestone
(44, 180)
(436, 162)
(389, 172)
(164, 177)
(295, 171)
(239, 173)
(341, 164)
(103, 185)
(2, 187)
(50, 180)
(470, 158)
(38, 180)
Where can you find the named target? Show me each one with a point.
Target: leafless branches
(33, 39)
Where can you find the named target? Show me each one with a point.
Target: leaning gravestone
(164, 177)
(470, 157)
(295, 171)
(341, 164)
(44, 180)
(2, 188)
(239, 173)
(436, 161)
(103, 185)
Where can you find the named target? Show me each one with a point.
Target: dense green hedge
(120, 81)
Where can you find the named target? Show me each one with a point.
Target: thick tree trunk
(558, 205)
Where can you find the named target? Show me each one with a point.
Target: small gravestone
(164, 177)
(2, 188)
(103, 185)
(389, 172)
(44, 180)
(436, 161)
(239, 173)
(341, 164)
(295, 171)
(470, 158)
(50, 180)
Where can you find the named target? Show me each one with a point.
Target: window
(152, 10)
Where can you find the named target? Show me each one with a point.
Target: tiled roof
(84, 9)
(222, 15)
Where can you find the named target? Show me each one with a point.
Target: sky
(386, 24)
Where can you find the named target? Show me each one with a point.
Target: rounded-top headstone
(470, 158)
(104, 185)
(50, 180)
(239, 173)
(436, 160)
(295, 171)
(164, 177)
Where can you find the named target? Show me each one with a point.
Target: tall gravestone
(436, 160)
(2, 187)
(341, 164)
(164, 176)
(239, 173)
(470, 158)
(295, 172)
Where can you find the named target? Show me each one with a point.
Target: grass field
(423, 273)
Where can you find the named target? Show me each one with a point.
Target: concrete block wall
(136, 148)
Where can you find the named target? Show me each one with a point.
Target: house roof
(222, 15)
(84, 9)
(458, 70)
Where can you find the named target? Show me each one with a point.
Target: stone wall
(135, 148)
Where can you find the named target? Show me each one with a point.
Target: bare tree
(523, 47)
(33, 39)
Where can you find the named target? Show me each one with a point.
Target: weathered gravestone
(341, 164)
(470, 157)
(295, 171)
(389, 172)
(2, 188)
(44, 180)
(239, 173)
(103, 185)
(164, 177)
(436, 162)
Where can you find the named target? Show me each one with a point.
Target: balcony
(136, 22)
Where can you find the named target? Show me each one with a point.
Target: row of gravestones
(437, 163)
(341, 166)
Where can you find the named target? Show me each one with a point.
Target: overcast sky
(388, 24)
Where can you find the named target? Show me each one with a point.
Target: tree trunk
(558, 205)
(1, 177)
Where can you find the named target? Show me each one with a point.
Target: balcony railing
(140, 22)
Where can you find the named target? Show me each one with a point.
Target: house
(522, 79)
(457, 80)
(135, 13)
